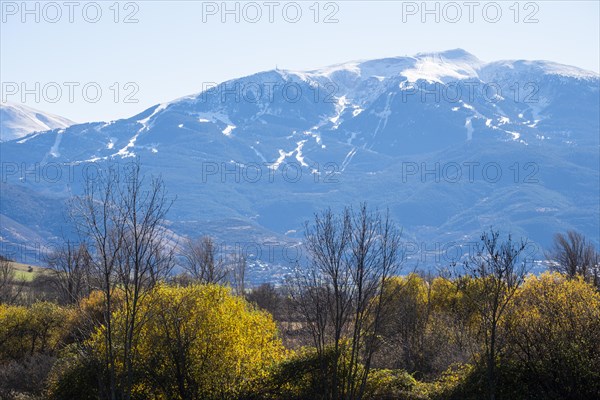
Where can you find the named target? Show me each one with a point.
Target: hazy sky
(171, 49)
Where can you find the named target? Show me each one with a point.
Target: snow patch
(28, 138)
(340, 107)
(315, 134)
(469, 126)
(281, 158)
(145, 121)
(515, 135)
(308, 76)
(227, 131)
(283, 155)
(299, 155)
(146, 125)
(435, 68)
(54, 150)
(258, 153)
(348, 158)
(384, 114)
(124, 152)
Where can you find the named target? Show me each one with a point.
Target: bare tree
(202, 262)
(375, 244)
(10, 287)
(498, 269)
(124, 217)
(97, 217)
(70, 266)
(574, 255)
(321, 289)
(146, 256)
(340, 293)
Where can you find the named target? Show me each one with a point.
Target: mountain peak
(444, 66)
(19, 120)
(431, 66)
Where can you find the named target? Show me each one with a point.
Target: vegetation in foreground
(116, 323)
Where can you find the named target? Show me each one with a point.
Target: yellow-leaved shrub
(198, 341)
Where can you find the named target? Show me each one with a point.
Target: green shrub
(387, 384)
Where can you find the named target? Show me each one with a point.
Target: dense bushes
(195, 342)
(548, 339)
(552, 335)
(29, 339)
(30, 330)
(426, 327)
(202, 342)
(300, 377)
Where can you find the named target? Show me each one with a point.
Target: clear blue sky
(170, 52)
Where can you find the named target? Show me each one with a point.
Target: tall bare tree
(376, 257)
(97, 217)
(123, 216)
(146, 256)
(499, 269)
(321, 290)
(340, 293)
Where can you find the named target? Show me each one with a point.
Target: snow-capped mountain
(17, 120)
(449, 143)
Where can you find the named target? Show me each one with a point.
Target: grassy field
(26, 272)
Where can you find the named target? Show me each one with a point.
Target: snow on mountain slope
(492, 70)
(392, 105)
(442, 67)
(17, 120)
(254, 157)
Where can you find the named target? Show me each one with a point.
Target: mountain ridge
(18, 121)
